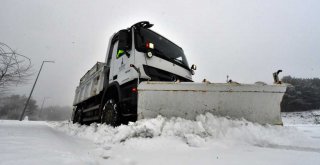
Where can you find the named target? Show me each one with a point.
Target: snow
(208, 140)
(304, 117)
(28, 142)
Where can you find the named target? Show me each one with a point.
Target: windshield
(163, 48)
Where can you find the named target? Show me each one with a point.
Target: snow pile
(206, 128)
(304, 117)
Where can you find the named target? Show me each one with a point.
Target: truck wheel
(110, 113)
(77, 117)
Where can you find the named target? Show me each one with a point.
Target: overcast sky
(247, 39)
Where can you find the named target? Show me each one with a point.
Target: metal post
(44, 99)
(26, 105)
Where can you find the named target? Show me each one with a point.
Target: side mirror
(193, 67)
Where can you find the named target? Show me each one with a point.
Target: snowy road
(29, 142)
(209, 140)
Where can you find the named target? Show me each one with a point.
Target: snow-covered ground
(208, 140)
(298, 118)
(29, 142)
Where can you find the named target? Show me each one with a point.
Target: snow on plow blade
(256, 103)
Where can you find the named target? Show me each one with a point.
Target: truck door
(120, 57)
(113, 75)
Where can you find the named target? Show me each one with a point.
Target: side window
(124, 43)
(114, 45)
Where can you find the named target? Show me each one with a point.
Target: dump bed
(91, 84)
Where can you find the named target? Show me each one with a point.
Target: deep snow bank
(197, 133)
(303, 117)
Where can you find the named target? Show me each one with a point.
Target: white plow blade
(256, 103)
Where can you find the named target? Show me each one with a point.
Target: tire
(77, 117)
(110, 113)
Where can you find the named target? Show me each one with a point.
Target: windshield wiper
(175, 59)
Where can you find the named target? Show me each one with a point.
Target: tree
(56, 113)
(10, 107)
(303, 95)
(14, 67)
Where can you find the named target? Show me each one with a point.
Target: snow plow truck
(145, 75)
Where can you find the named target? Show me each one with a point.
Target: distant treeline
(11, 108)
(303, 95)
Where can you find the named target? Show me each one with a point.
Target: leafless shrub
(14, 68)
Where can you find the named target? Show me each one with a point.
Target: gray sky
(247, 40)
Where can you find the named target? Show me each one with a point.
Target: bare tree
(14, 67)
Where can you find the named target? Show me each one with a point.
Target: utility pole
(35, 82)
(44, 99)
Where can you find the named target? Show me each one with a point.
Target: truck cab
(156, 58)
